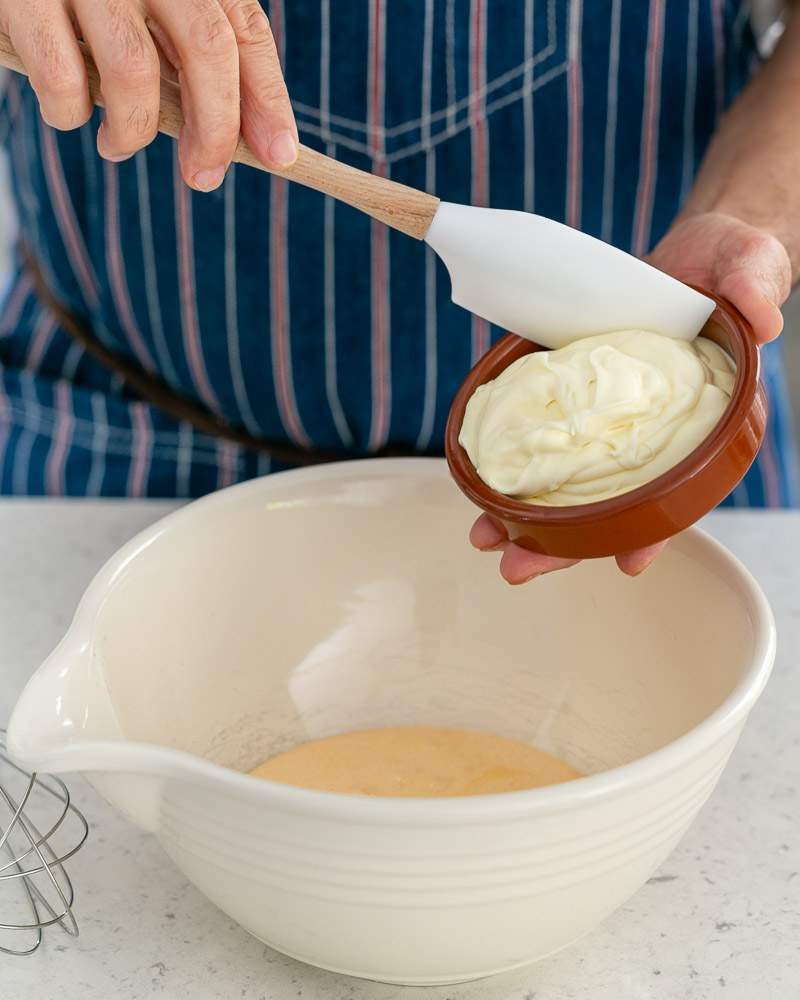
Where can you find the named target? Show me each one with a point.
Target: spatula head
(553, 284)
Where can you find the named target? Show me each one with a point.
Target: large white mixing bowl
(346, 597)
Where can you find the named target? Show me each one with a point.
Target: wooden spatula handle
(404, 208)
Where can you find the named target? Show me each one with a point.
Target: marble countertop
(720, 920)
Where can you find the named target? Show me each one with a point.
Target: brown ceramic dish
(653, 512)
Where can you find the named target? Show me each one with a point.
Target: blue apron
(297, 318)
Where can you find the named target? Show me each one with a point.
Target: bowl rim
(748, 369)
(168, 763)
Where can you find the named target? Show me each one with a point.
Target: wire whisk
(40, 829)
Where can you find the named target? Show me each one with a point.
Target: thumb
(756, 300)
(753, 271)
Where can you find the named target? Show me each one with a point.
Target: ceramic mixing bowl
(347, 596)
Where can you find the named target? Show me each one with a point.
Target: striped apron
(297, 318)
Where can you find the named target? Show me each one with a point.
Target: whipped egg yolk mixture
(416, 761)
(597, 418)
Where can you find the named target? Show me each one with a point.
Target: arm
(738, 235)
(739, 231)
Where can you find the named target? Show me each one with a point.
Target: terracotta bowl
(653, 512)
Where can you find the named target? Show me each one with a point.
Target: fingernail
(208, 180)
(634, 571)
(102, 143)
(486, 536)
(490, 546)
(283, 150)
(109, 156)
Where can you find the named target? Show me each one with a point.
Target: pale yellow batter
(419, 761)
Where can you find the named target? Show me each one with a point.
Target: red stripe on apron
(648, 171)
(575, 111)
(478, 141)
(67, 221)
(190, 325)
(379, 238)
(55, 467)
(280, 329)
(116, 271)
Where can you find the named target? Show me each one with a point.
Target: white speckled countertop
(720, 920)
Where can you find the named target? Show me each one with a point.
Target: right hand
(221, 51)
(720, 252)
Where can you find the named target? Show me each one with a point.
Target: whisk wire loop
(35, 859)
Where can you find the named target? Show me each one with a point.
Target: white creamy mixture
(597, 418)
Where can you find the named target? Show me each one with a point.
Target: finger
(207, 59)
(518, 565)
(45, 41)
(634, 563)
(129, 75)
(487, 534)
(167, 57)
(268, 123)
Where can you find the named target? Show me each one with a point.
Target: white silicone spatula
(553, 284)
(530, 275)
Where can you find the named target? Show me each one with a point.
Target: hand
(519, 565)
(745, 265)
(221, 51)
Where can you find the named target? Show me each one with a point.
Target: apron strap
(152, 389)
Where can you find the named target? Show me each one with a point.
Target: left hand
(737, 261)
(747, 266)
